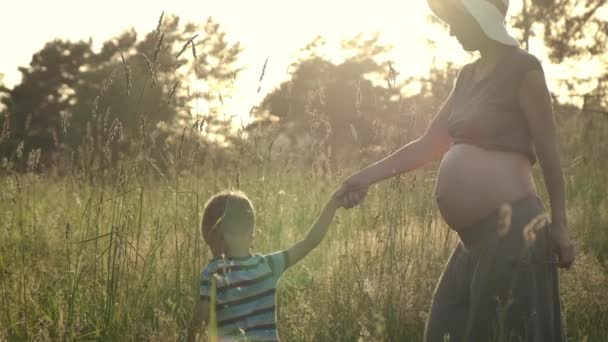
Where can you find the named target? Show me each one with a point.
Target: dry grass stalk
(185, 46)
(505, 213)
(158, 47)
(159, 25)
(262, 74)
(534, 226)
(173, 89)
(150, 67)
(127, 71)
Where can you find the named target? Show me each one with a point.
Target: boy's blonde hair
(233, 203)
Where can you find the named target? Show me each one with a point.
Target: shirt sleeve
(526, 64)
(278, 262)
(531, 63)
(459, 81)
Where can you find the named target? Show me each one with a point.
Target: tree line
(87, 109)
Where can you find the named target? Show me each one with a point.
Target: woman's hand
(353, 190)
(563, 246)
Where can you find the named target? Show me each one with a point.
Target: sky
(273, 29)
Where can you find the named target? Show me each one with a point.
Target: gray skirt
(500, 284)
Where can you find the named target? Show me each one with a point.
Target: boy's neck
(245, 254)
(235, 255)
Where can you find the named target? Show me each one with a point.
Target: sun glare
(267, 29)
(277, 31)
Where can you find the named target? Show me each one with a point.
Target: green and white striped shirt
(245, 295)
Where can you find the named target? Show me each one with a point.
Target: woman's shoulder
(462, 71)
(518, 55)
(525, 61)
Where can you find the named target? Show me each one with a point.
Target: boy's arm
(316, 232)
(200, 316)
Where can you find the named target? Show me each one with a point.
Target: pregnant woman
(501, 280)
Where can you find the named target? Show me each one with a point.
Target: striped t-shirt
(245, 295)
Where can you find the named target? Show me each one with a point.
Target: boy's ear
(216, 242)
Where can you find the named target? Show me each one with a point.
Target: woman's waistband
(508, 219)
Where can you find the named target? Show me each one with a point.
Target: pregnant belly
(473, 182)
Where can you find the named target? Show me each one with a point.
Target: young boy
(245, 284)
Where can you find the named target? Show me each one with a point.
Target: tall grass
(122, 261)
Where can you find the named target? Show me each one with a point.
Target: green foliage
(568, 28)
(352, 108)
(336, 104)
(97, 106)
(572, 31)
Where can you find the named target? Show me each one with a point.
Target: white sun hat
(489, 14)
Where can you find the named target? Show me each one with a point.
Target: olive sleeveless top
(488, 113)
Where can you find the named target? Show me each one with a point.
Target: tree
(335, 105)
(571, 30)
(100, 105)
(568, 28)
(35, 106)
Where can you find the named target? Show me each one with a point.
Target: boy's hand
(336, 199)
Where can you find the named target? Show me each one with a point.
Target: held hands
(351, 193)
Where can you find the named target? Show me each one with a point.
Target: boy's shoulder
(277, 261)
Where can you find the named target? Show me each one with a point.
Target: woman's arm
(535, 100)
(431, 146)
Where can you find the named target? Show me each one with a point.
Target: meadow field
(117, 257)
(111, 249)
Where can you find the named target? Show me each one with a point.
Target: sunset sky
(271, 29)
